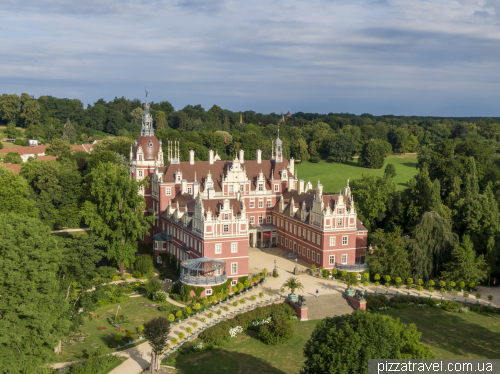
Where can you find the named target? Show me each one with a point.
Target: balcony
(203, 281)
(203, 272)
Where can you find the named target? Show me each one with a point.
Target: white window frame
(308, 235)
(276, 187)
(332, 241)
(261, 186)
(313, 237)
(268, 219)
(168, 191)
(344, 240)
(344, 259)
(230, 189)
(331, 260)
(261, 220)
(159, 260)
(218, 248)
(308, 253)
(234, 247)
(295, 229)
(252, 220)
(340, 210)
(218, 272)
(235, 270)
(190, 190)
(318, 240)
(286, 242)
(226, 216)
(140, 173)
(268, 203)
(252, 203)
(318, 258)
(225, 228)
(234, 282)
(286, 226)
(340, 221)
(261, 204)
(208, 291)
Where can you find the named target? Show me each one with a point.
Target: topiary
(278, 331)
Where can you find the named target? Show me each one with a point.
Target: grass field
(247, 354)
(138, 315)
(333, 176)
(449, 335)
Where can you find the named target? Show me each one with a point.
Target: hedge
(221, 287)
(219, 334)
(376, 301)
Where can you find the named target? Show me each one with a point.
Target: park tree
(11, 131)
(58, 147)
(390, 171)
(80, 257)
(30, 111)
(465, 265)
(114, 211)
(160, 119)
(33, 313)
(9, 107)
(136, 115)
(344, 344)
(389, 254)
(371, 195)
(341, 147)
(300, 150)
(372, 155)
(69, 132)
(431, 244)
(156, 332)
(15, 195)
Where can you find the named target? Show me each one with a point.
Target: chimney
(184, 184)
(211, 157)
(196, 189)
(191, 157)
(291, 165)
(290, 184)
(301, 186)
(259, 156)
(242, 158)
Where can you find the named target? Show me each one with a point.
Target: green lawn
(71, 234)
(333, 176)
(449, 335)
(455, 335)
(138, 315)
(247, 354)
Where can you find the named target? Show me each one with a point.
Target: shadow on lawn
(449, 332)
(220, 361)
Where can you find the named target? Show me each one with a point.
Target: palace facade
(217, 209)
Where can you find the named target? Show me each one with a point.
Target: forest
(444, 225)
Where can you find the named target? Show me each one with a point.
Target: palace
(214, 210)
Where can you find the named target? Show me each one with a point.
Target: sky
(401, 57)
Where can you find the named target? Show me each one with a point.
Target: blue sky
(401, 57)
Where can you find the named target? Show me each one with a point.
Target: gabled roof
(219, 169)
(16, 168)
(184, 201)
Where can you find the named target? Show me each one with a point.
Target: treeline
(306, 136)
(445, 225)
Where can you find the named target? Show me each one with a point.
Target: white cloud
(258, 54)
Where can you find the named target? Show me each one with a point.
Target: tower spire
(147, 120)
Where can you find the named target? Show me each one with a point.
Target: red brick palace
(217, 209)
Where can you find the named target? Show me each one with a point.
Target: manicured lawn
(455, 335)
(333, 176)
(247, 354)
(71, 234)
(138, 315)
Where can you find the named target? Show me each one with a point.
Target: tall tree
(344, 344)
(371, 156)
(9, 107)
(30, 112)
(114, 211)
(156, 332)
(58, 147)
(341, 147)
(389, 255)
(33, 313)
(300, 150)
(431, 245)
(371, 195)
(69, 132)
(465, 265)
(15, 195)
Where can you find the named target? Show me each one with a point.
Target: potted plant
(234, 289)
(398, 282)
(313, 270)
(452, 285)
(261, 295)
(219, 312)
(196, 307)
(350, 279)
(189, 311)
(226, 309)
(189, 330)
(366, 279)
(118, 339)
(478, 295)
(129, 336)
(235, 305)
(431, 286)
(179, 316)
(264, 275)
(270, 293)
(205, 304)
(471, 286)
(203, 320)
(334, 273)
(242, 302)
(462, 286)
(254, 280)
(173, 341)
(252, 299)
(181, 336)
(212, 299)
(171, 319)
(195, 325)
(140, 329)
(292, 283)
(219, 297)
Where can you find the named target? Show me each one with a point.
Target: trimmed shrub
(144, 264)
(278, 331)
(219, 334)
(376, 301)
(450, 306)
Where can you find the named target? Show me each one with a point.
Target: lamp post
(274, 267)
(296, 270)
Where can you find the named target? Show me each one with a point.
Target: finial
(146, 95)
(195, 177)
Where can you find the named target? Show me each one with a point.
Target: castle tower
(147, 120)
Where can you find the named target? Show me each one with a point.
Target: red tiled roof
(16, 168)
(39, 149)
(360, 226)
(46, 158)
(218, 170)
(215, 205)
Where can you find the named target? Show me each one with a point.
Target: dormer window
(178, 178)
(190, 190)
(230, 188)
(226, 216)
(261, 187)
(340, 211)
(140, 158)
(150, 144)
